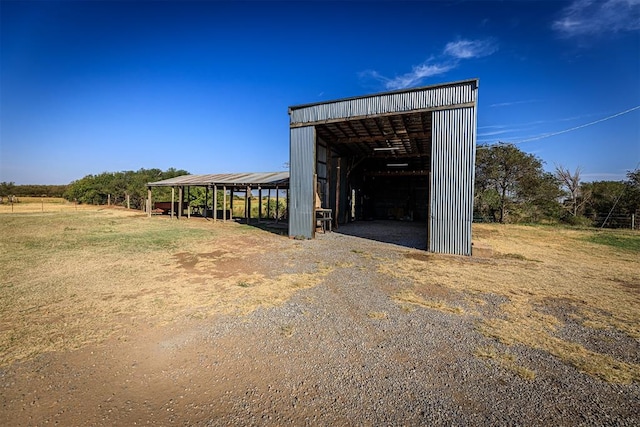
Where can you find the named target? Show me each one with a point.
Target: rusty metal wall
(452, 180)
(302, 168)
(440, 96)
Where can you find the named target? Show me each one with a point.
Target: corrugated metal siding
(302, 168)
(452, 180)
(425, 98)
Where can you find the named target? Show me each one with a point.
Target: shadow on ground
(403, 233)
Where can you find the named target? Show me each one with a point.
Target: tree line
(117, 186)
(11, 189)
(512, 186)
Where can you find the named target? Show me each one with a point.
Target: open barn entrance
(406, 155)
(377, 169)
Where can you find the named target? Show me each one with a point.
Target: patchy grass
(623, 240)
(287, 331)
(505, 360)
(598, 283)
(410, 297)
(70, 278)
(379, 315)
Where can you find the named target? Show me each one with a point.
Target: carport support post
(189, 202)
(206, 200)
(180, 200)
(149, 204)
(213, 211)
(268, 203)
(231, 204)
(173, 197)
(224, 203)
(214, 207)
(277, 203)
(247, 203)
(259, 205)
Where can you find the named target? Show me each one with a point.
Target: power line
(547, 135)
(578, 127)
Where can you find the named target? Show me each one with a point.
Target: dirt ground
(361, 344)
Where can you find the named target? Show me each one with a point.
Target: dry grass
(77, 277)
(41, 205)
(409, 297)
(536, 268)
(505, 360)
(70, 277)
(378, 315)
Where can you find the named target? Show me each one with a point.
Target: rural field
(112, 318)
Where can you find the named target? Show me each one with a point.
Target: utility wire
(579, 127)
(547, 135)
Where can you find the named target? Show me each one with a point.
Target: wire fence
(604, 220)
(600, 220)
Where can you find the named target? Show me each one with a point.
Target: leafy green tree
(537, 198)
(633, 191)
(511, 182)
(95, 189)
(605, 202)
(7, 188)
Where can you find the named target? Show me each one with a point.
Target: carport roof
(252, 179)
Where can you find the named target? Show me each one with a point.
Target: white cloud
(417, 74)
(508, 104)
(589, 17)
(453, 53)
(466, 49)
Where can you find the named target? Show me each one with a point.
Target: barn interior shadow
(402, 233)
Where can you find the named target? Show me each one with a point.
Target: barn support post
(180, 200)
(314, 222)
(231, 205)
(215, 203)
(338, 172)
(430, 186)
(173, 198)
(149, 203)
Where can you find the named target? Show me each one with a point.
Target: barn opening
(405, 158)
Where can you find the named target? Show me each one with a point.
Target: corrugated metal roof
(254, 179)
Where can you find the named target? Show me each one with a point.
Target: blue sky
(94, 86)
